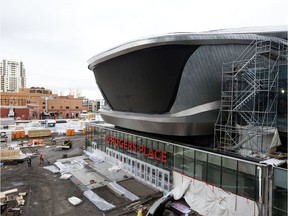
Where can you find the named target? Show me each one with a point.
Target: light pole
(46, 98)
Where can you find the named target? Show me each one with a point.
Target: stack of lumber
(11, 195)
(9, 153)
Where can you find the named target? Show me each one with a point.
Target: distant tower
(13, 75)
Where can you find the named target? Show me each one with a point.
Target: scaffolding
(248, 116)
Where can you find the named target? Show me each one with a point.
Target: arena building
(200, 110)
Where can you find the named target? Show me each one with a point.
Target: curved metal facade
(170, 84)
(143, 81)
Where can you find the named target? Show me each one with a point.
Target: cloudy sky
(55, 38)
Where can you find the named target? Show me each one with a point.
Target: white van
(50, 123)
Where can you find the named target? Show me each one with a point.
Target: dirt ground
(47, 194)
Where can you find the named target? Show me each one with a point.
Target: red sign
(142, 149)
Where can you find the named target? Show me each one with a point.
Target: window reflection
(189, 162)
(201, 166)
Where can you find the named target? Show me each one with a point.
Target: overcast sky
(55, 38)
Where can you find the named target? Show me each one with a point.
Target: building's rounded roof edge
(254, 30)
(224, 36)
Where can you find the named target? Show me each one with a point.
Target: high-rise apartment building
(13, 75)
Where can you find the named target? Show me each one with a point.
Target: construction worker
(140, 212)
(41, 157)
(53, 141)
(29, 161)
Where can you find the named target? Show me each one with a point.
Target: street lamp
(46, 98)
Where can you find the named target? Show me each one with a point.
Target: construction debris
(52, 168)
(114, 169)
(8, 197)
(10, 153)
(74, 200)
(65, 176)
(98, 201)
(121, 191)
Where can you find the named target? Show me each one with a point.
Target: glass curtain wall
(237, 176)
(280, 192)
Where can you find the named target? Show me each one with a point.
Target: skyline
(55, 39)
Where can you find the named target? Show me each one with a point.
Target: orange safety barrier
(68, 132)
(22, 134)
(72, 132)
(36, 141)
(18, 134)
(13, 135)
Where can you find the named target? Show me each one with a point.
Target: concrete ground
(47, 194)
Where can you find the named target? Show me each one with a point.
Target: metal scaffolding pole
(248, 111)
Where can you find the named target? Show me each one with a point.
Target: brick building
(17, 112)
(42, 103)
(66, 107)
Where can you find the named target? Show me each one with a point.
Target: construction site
(210, 140)
(70, 181)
